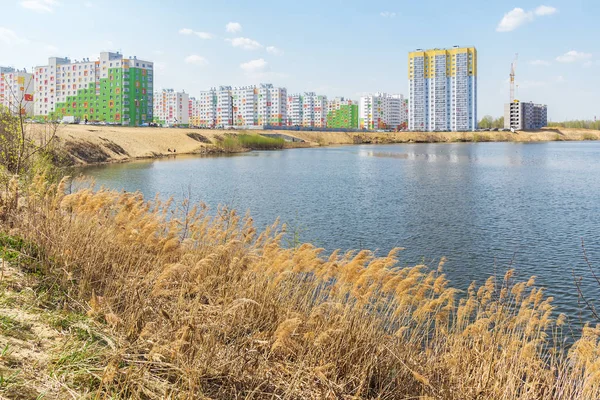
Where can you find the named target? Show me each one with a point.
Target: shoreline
(88, 145)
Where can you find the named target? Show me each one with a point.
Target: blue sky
(334, 47)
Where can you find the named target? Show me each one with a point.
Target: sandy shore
(100, 144)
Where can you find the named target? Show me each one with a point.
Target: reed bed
(204, 306)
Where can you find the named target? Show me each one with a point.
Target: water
(484, 206)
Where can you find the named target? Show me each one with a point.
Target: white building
(272, 105)
(294, 110)
(382, 111)
(245, 104)
(171, 107)
(308, 110)
(443, 89)
(17, 91)
(112, 89)
(224, 107)
(203, 109)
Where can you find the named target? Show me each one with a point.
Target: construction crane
(513, 68)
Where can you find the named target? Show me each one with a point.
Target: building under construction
(520, 115)
(525, 116)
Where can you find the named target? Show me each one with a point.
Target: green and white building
(112, 89)
(342, 113)
(383, 111)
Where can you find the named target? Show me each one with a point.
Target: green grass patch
(13, 328)
(258, 142)
(234, 143)
(15, 249)
(589, 136)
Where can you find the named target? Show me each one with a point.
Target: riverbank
(110, 296)
(87, 145)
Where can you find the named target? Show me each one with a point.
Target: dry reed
(206, 307)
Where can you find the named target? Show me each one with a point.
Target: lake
(484, 206)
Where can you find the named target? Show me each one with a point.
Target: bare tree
(21, 141)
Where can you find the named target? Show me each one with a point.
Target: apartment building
(382, 111)
(203, 109)
(342, 113)
(245, 104)
(17, 91)
(308, 110)
(525, 116)
(272, 105)
(171, 108)
(294, 110)
(224, 106)
(443, 89)
(112, 89)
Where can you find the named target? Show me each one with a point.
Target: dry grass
(205, 307)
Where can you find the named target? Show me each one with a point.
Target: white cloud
(245, 43)
(540, 62)
(41, 6)
(233, 27)
(88, 4)
(573, 56)
(201, 35)
(591, 63)
(513, 19)
(158, 52)
(258, 65)
(195, 59)
(517, 17)
(387, 14)
(204, 35)
(274, 50)
(545, 10)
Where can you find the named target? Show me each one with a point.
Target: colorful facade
(113, 89)
(245, 104)
(203, 109)
(272, 105)
(443, 89)
(342, 114)
(307, 110)
(171, 108)
(294, 110)
(382, 111)
(17, 91)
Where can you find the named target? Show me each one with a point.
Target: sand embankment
(88, 144)
(544, 135)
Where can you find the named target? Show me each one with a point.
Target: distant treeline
(488, 122)
(579, 124)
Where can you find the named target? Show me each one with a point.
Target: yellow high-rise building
(442, 89)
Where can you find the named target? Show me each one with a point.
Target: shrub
(205, 306)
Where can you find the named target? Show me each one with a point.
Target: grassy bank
(99, 144)
(198, 306)
(242, 142)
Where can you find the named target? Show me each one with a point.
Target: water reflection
(484, 206)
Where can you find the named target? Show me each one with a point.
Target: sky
(332, 47)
